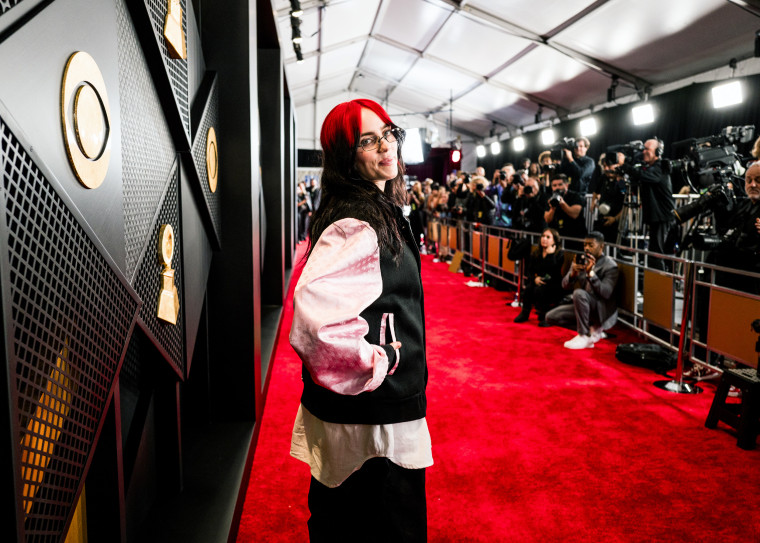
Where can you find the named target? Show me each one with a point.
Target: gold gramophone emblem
(212, 159)
(175, 37)
(168, 299)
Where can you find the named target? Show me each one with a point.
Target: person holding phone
(592, 276)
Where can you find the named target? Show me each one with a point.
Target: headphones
(660, 147)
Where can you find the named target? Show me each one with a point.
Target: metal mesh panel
(148, 279)
(176, 69)
(210, 118)
(70, 320)
(147, 149)
(5, 5)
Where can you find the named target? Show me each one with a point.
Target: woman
(543, 288)
(358, 327)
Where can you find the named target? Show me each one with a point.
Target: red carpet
(532, 442)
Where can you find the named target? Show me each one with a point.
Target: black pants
(542, 297)
(658, 235)
(381, 502)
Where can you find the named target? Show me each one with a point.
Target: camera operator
(608, 191)
(528, 209)
(594, 309)
(479, 207)
(739, 227)
(657, 203)
(577, 166)
(496, 191)
(460, 192)
(564, 210)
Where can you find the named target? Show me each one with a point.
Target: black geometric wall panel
(209, 119)
(5, 5)
(68, 315)
(148, 152)
(169, 338)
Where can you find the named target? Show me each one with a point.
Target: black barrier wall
(139, 227)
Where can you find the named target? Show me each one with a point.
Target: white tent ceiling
(484, 67)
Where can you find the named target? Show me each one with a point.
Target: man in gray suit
(594, 276)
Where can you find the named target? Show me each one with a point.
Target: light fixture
(588, 126)
(727, 94)
(295, 25)
(518, 144)
(613, 89)
(548, 137)
(538, 113)
(643, 114)
(456, 156)
(413, 147)
(299, 54)
(495, 148)
(480, 150)
(295, 8)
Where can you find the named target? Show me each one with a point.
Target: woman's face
(547, 240)
(380, 164)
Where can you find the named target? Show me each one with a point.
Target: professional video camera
(634, 158)
(559, 147)
(710, 160)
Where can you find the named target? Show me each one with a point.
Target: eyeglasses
(370, 143)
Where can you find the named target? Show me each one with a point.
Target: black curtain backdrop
(437, 164)
(679, 115)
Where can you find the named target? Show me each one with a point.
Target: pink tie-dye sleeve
(339, 281)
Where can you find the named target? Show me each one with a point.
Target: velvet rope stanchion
(677, 385)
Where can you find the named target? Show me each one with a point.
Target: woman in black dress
(543, 287)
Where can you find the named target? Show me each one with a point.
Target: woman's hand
(551, 249)
(396, 345)
(539, 281)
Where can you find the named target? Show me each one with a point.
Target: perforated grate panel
(70, 321)
(210, 118)
(147, 149)
(176, 69)
(148, 279)
(5, 5)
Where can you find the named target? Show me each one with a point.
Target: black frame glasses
(371, 143)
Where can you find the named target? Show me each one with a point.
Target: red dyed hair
(343, 124)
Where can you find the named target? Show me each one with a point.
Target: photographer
(479, 207)
(608, 191)
(593, 310)
(460, 193)
(564, 209)
(528, 209)
(496, 191)
(543, 288)
(657, 203)
(576, 165)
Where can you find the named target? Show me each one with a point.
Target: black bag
(646, 355)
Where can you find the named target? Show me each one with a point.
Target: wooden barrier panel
(476, 237)
(730, 331)
(658, 298)
(432, 231)
(493, 250)
(506, 264)
(453, 237)
(626, 287)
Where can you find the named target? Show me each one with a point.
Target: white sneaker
(580, 342)
(597, 334)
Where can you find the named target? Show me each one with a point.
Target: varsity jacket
(351, 301)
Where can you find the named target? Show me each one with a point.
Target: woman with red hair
(359, 329)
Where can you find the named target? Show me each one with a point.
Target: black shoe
(522, 317)
(543, 324)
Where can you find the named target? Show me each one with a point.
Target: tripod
(630, 220)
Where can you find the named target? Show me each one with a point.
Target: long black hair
(344, 192)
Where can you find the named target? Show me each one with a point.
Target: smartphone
(580, 259)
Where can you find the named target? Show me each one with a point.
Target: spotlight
(295, 25)
(295, 8)
(480, 150)
(495, 148)
(643, 114)
(613, 89)
(299, 54)
(548, 137)
(456, 156)
(588, 126)
(538, 113)
(727, 94)
(518, 144)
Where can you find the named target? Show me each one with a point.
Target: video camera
(634, 158)
(559, 147)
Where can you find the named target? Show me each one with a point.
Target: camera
(502, 175)
(558, 148)
(527, 190)
(555, 198)
(717, 196)
(580, 259)
(479, 186)
(634, 159)
(548, 168)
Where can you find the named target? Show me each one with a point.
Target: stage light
(643, 114)
(480, 150)
(456, 156)
(588, 126)
(518, 144)
(296, 35)
(413, 147)
(548, 137)
(727, 94)
(495, 148)
(299, 54)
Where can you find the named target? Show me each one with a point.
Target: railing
(650, 301)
